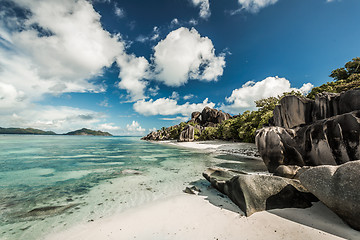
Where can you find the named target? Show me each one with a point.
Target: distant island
(33, 131)
(88, 132)
(25, 131)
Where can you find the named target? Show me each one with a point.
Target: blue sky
(130, 66)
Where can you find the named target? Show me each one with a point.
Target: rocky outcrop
(254, 193)
(199, 120)
(290, 171)
(294, 111)
(210, 115)
(312, 133)
(337, 187)
(331, 141)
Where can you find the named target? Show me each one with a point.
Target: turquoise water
(48, 183)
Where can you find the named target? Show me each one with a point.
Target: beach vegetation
(345, 78)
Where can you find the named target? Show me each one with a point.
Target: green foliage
(339, 74)
(353, 66)
(210, 133)
(196, 134)
(344, 79)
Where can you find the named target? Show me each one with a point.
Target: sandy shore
(194, 217)
(210, 215)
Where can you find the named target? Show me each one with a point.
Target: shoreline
(210, 215)
(195, 217)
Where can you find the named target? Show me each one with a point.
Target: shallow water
(48, 183)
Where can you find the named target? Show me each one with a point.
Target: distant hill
(25, 131)
(88, 132)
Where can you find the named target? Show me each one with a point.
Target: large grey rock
(349, 101)
(254, 193)
(277, 147)
(293, 111)
(210, 115)
(290, 171)
(338, 188)
(326, 105)
(330, 141)
(188, 134)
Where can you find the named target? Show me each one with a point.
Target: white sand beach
(211, 215)
(194, 217)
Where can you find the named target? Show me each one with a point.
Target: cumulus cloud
(133, 71)
(135, 127)
(204, 8)
(59, 119)
(61, 46)
(176, 119)
(168, 106)
(10, 97)
(254, 5)
(243, 98)
(185, 55)
(108, 127)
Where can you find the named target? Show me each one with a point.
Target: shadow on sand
(215, 197)
(318, 216)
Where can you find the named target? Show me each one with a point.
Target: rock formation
(255, 192)
(312, 133)
(199, 121)
(322, 132)
(337, 187)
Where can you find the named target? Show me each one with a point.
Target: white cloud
(76, 47)
(64, 53)
(174, 22)
(254, 5)
(108, 127)
(152, 37)
(142, 38)
(204, 8)
(68, 48)
(176, 119)
(193, 22)
(175, 95)
(135, 127)
(189, 96)
(154, 91)
(185, 55)
(243, 98)
(119, 11)
(152, 129)
(59, 119)
(10, 97)
(168, 106)
(104, 103)
(133, 70)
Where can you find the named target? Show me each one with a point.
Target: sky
(131, 66)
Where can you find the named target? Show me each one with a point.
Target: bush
(210, 133)
(344, 79)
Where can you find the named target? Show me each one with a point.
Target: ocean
(49, 183)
